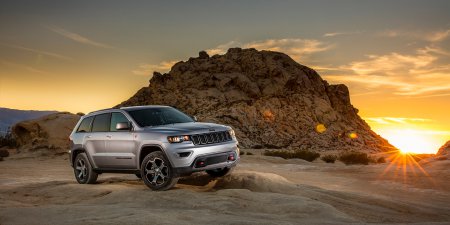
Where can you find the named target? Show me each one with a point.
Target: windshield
(158, 116)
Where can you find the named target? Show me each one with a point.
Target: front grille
(211, 138)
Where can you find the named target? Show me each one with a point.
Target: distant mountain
(9, 117)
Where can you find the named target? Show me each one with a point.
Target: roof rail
(100, 110)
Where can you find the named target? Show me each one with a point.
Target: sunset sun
(411, 141)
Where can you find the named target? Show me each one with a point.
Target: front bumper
(185, 153)
(209, 162)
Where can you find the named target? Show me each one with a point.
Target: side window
(85, 125)
(101, 123)
(117, 118)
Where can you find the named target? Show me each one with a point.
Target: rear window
(101, 123)
(85, 125)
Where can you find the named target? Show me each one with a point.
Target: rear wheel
(83, 170)
(220, 172)
(157, 173)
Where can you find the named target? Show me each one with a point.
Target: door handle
(89, 136)
(108, 136)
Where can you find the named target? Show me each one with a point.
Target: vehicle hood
(188, 128)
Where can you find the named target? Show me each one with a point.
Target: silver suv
(157, 143)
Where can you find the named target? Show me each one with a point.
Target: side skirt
(109, 170)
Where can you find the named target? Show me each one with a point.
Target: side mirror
(195, 118)
(123, 126)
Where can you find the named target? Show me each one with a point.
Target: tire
(83, 170)
(220, 172)
(157, 173)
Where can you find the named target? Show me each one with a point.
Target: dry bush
(353, 157)
(329, 158)
(381, 159)
(8, 140)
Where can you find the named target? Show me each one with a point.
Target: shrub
(297, 154)
(241, 153)
(381, 159)
(4, 153)
(80, 114)
(329, 158)
(8, 140)
(353, 157)
(249, 153)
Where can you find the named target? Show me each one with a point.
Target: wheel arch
(76, 152)
(147, 149)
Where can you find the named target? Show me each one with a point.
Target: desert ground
(261, 190)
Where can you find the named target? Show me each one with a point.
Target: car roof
(130, 108)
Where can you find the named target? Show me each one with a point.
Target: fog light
(231, 157)
(200, 163)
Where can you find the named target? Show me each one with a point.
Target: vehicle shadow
(188, 182)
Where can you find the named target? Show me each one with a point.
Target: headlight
(178, 139)
(231, 132)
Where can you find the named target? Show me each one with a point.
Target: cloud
(426, 73)
(438, 35)
(433, 36)
(148, 69)
(222, 49)
(391, 63)
(40, 52)
(334, 34)
(295, 47)
(396, 120)
(77, 38)
(406, 126)
(22, 67)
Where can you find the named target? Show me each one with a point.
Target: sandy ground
(262, 190)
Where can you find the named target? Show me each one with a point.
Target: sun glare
(411, 141)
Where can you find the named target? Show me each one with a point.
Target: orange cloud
(148, 69)
(294, 47)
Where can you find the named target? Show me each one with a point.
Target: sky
(81, 56)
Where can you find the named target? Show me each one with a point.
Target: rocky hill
(47, 132)
(8, 117)
(268, 98)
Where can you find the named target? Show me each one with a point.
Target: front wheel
(157, 173)
(220, 172)
(83, 170)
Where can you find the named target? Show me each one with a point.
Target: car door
(120, 144)
(96, 140)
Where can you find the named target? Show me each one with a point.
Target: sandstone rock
(444, 150)
(269, 99)
(47, 132)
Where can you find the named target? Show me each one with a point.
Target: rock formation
(47, 132)
(444, 151)
(269, 99)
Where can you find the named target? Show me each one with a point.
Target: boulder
(47, 132)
